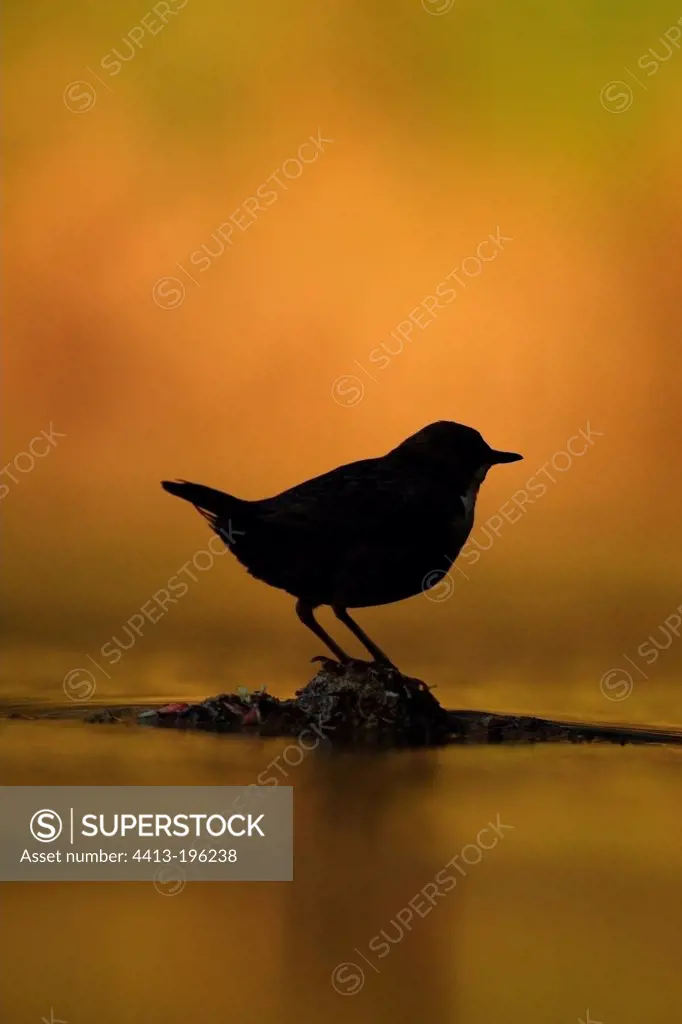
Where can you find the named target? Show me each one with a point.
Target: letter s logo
(46, 826)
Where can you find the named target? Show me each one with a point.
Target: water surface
(577, 906)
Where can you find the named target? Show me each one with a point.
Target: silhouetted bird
(365, 534)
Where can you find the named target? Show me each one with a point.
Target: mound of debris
(353, 703)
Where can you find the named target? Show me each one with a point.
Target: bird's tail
(217, 504)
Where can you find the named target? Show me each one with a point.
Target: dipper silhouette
(369, 533)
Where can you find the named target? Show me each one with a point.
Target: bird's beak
(499, 457)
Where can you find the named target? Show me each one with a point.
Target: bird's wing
(360, 501)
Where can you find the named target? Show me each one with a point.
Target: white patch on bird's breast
(468, 500)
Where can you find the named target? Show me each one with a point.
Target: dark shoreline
(358, 705)
(487, 727)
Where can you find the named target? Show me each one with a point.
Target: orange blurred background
(444, 129)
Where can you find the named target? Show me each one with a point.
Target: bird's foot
(339, 666)
(384, 663)
(333, 664)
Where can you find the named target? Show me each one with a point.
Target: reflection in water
(577, 906)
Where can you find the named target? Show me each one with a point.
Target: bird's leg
(305, 614)
(375, 651)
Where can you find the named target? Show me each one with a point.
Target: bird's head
(452, 446)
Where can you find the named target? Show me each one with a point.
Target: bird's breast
(465, 517)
